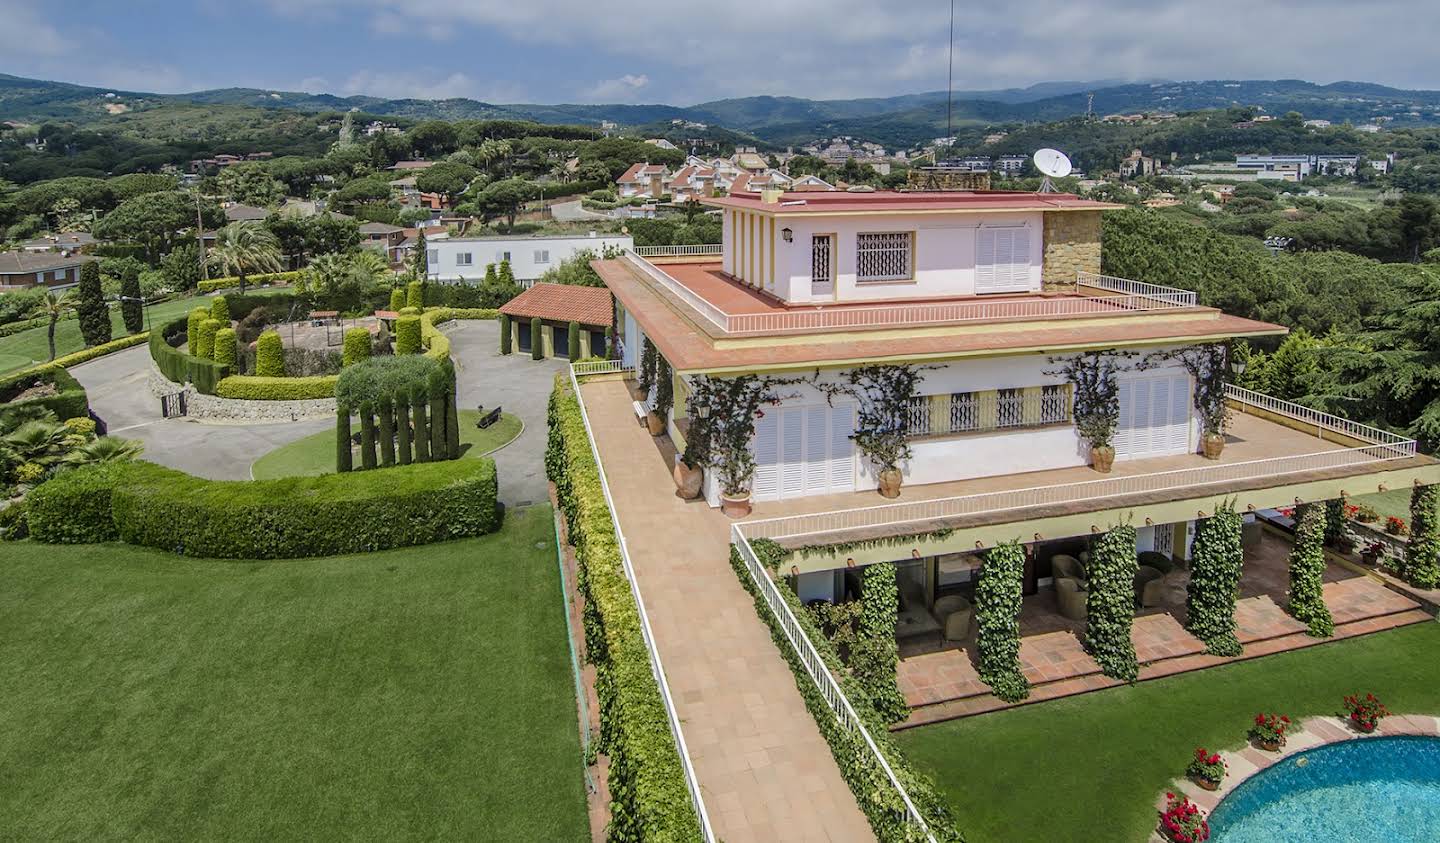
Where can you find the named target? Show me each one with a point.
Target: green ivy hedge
(87, 354)
(145, 504)
(1110, 604)
(255, 388)
(997, 618)
(1216, 560)
(267, 280)
(70, 402)
(436, 344)
(1307, 572)
(1422, 550)
(867, 780)
(182, 367)
(647, 780)
(875, 655)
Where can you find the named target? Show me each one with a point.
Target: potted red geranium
(1269, 731)
(1182, 822)
(1365, 712)
(1206, 768)
(1396, 526)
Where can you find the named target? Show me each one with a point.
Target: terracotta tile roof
(16, 263)
(563, 303)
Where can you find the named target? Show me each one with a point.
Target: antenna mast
(950, 83)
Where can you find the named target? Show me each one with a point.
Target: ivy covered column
(1307, 571)
(997, 614)
(1216, 561)
(1110, 604)
(876, 654)
(1422, 551)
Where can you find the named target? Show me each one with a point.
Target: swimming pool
(1376, 790)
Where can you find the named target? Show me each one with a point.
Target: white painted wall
(944, 259)
(524, 261)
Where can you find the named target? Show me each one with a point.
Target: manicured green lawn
(419, 693)
(315, 454)
(1395, 502)
(29, 347)
(1089, 767)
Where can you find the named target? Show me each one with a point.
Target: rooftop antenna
(1052, 163)
(1090, 106)
(950, 82)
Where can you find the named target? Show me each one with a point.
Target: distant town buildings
(1296, 167)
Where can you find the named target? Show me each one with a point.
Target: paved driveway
(120, 395)
(574, 212)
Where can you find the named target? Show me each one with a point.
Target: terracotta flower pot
(1205, 783)
(1102, 458)
(735, 507)
(1270, 746)
(636, 393)
(1364, 728)
(687, 480)
(1211, 445)
(890, 480)
(654, 423)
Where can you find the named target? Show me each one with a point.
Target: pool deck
(1307, 734)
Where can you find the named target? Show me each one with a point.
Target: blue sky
(654, 51)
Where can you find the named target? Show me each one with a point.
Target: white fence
(815, 667)
(1322, 422)
(696, 250)
(691, 781)
(1164, 296)
(715, 315)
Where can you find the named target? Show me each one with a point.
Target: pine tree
(94, 315)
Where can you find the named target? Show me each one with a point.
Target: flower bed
(66, 398)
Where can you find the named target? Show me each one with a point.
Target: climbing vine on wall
(1094, 378)
(875, 654)
(997, 611)
(649, 358)
(1207, 364)
(1307, 572)
(1216, 561)
(883, 395)
(1422, 551)
(664, 387)
(1110, 604)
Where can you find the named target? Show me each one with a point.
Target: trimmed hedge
(407, 335)
(415, 295)
(220, 310)
(505, 334)
(253, 388)
(397, 299)
(181, 367)
(647, 780)
(357, 346)
(145, 504)
(197, 317)
(1422, 550)
(87, 354)
(70, 402)
(269, 356)
(537, 342)
(205, 343)
(225, 347)
(266, 280)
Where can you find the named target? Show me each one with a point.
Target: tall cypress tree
(94, 315)
(132, 309)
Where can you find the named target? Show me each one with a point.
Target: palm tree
(105, 449)
(40, 442)
(242, 248)
(54, 307)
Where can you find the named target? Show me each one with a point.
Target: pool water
(1376, 790)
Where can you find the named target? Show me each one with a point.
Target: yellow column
(1030, 405)
(939, 414)
(770, 279)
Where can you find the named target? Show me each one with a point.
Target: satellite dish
(1053, 164)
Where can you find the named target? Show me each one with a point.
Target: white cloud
(25, 34)
(624, 89)
(422, 84)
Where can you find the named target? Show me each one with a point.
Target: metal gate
(822, 265)
(172, 405)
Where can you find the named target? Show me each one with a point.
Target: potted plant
(659, 415)
(733, 405)
(1370, 554)
(1365, 713)
(689, 473)
(884, 395)
(1395, 526)
(1207, 365)
(1366, 514)
(1206, 769)
(645, 376)
(1182, 821)
(1095, 385)
(1269, 731)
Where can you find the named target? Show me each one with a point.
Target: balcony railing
(806, 319)
(695, 250)
(1385, 446)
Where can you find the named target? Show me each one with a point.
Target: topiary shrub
(875, 653)
(344, 457)
(192, 327)
(269, 356)
(205, 343)
(537, 342)
(220, 309)
(1110, 604)
(74, 507)
(1422, 550)
(367, 436)
(572, 340)
(357, 346)
(132, 307)
(385, 429)
(225, 347)
(420, 431)
(1307, 572)
(93, 313)
(1216, 561)
(407, 335)
(997, 618)
(505, 338)
(397, 299)
(415, 295)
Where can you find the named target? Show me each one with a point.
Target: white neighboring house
(643, 180)
(457, 260)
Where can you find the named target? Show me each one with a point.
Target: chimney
(656, 187)
(770, 196)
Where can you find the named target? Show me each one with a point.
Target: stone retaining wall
(215, 408)
(1072, 244)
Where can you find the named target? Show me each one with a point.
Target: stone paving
(765, 771)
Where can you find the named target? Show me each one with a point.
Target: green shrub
(220, 310)
(392, 379)
(192, 327)
(87, 354)
(505, 332)
(14, 523)
(225, 347)
(409, 311)
(1422, 550)
(148, 505)
(91, 309)
(69, 402)
(415, 295)
(572, 341)
(397, 299)
(647, 781)
(407, 335)
(1306, 601)
(997, 619)
(181, 367)
(385, 419)
(875, 655)
(367, 436)
(266, 280)
(255, 388)
(344, 457)
(205, 343)
(537, 342)
(357, 346)
(132, 308)
(1110, 604)
(270, 356)
(1216, 560)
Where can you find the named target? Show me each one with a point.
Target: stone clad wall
(1072, 244)
(215, 408)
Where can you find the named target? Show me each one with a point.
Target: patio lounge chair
(954, 614)
(1067, 567)
(1157, 560)
(1070, 598)
(1149, 586)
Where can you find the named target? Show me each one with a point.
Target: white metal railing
(695, 250)
(1168, 296)
(599, 367)
(715, 315)
(691, 781)
(1314, 418)
(815, 667)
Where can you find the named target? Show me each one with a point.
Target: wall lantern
(787, 234)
